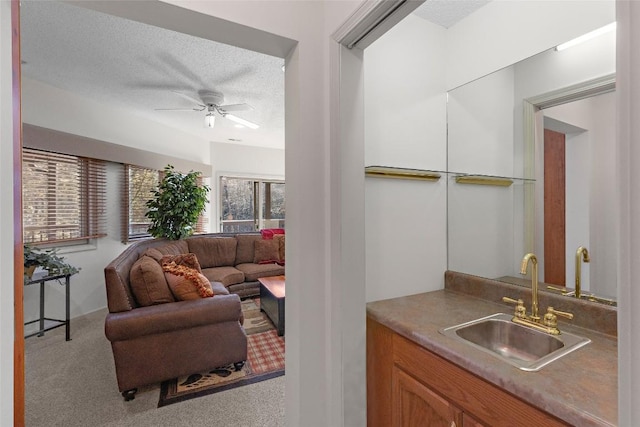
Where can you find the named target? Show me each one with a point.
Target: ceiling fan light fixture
(238, 120)
(210, 120)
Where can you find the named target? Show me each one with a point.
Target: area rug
(265, 360)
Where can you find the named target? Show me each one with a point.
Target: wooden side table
(272, 300)
(43, 278)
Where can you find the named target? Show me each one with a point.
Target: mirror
(496, 142)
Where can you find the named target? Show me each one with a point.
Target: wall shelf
(484, 180)
(401, 173)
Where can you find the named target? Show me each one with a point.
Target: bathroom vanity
(418, 376)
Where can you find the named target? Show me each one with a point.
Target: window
(250, 205)
(63, 197)
(139, 185)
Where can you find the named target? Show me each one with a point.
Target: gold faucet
(549, 323)
(534, 282)
(582, 254)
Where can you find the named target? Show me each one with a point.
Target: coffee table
(272, 300)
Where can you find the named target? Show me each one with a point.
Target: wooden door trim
(18, 264)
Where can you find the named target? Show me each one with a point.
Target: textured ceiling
(135, 67)
(446, 13)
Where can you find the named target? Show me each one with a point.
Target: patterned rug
(265, 360)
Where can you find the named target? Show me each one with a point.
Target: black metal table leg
(67, 291)
(41, 334)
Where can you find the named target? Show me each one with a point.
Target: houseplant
(47, 259)
(176, 204)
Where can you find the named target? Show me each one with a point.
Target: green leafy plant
(176, 204)
(48, 259)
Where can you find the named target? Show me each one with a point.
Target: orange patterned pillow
(186, 283)
(188, 260)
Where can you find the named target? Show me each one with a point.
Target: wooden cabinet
(416, 405)
(408, 385)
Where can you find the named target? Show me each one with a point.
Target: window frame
(126, 236)
(90, 183)
(258, 198)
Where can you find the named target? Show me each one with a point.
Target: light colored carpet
(73, 383)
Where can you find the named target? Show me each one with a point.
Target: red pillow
(268, 233)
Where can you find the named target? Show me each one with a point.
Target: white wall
(405, 101)
(242, 161)
(405, 126)
(514, 30)
(480, 126)
(6, 218)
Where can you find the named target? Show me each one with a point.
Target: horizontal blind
(138, 186)
(63, 197)
(203, 219)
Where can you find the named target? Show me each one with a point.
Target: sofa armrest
(157, 319)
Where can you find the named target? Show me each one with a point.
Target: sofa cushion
(225, 275)
(254, 271)
(280, 239)
(148, 283)
(214, 251)
(175, 247)
(186, 283)
(245, 249)
(266, 251)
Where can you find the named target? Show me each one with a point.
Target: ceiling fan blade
(240, 121)
(185, 96)
(180, 109)
(235, 107)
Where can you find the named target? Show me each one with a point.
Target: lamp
(238, 120)
(210, 120)
(588, 36)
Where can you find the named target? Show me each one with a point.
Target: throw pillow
(189, 260)
(148, 284)
(268, 233)
(186, 283)
(266, 251)
(281, 248)
(153, 253)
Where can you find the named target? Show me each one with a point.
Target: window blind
(63, 197)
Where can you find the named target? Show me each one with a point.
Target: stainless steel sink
(523, 347)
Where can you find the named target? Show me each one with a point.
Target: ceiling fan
(211, 102)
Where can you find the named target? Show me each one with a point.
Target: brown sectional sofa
(160, 338)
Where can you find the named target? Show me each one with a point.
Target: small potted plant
(47, 259)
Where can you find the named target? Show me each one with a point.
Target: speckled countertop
(580, 388)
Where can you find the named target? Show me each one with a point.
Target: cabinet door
(414, 404)
(468, 421)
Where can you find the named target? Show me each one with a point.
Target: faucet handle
(521, 311)
(551, 317)
(560, 313)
